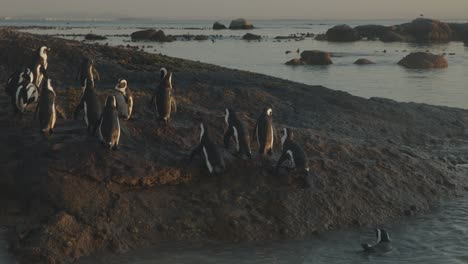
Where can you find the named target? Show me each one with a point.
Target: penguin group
(33, 84)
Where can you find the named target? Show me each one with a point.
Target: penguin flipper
(174, 104)
(194, 152)
(97, 124)
(78, 109)
(227, 137)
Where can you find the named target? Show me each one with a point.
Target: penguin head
(43, 51)
(111, 102)
(382, 235)
(229, 112)
(268, 111)
(121, 85)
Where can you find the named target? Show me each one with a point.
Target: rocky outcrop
(312, 57)
(151, 35)
(250, 36)
(240, 23)
(73, 198)
(342, 33)
(363, 62)
(91, 36)
(428, 30)
(372, 31)
(218, 26)
(423, 60)
(321, 37)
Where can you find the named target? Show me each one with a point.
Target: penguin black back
(165, 102)
(212, 156)
(109, 124)
(91, 105)
(293, 152)
(263, 132)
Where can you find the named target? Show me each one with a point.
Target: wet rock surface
(423, 60)
(151, 35)
(250, 36)
(363, 62)
(342, 33)
(241, 23)
(371, 160)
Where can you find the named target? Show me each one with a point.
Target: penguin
(87, 71)
(16, 78)
(91, 105)
(263, 132)
(40, 60)
(46, 107)
(236, 130)
(25, 94)
(109, 124)
(382, 244)
(293, 152)
(124, 99)
(211, 154)
(165, 102)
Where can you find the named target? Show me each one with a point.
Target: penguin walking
(88, 72)
(124, 99)
(263, 132)
(381, 245)
(91, 105)
(292, 152)
(236, 130)
(109, 125)
(25, 93)
(165, 102)
(46, 107)
(211, 154)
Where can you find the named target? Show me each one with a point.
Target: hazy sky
(213, 9)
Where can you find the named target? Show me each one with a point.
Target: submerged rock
(240, 23)
(321, 37)
(342, 33)
(316, 57)
(363, 62)
(151, 35)
(91, 36)
(423, 60)
(250, 36)
(218, 26)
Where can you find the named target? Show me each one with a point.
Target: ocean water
(447, 87)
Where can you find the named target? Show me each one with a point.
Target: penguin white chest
(207, 160)
(54, 116)
(85, 108)
(236, 137)
(291, 158)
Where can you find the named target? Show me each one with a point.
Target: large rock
(250, 36)
(151, 35)
(423, 60)
(241, 23)
(316, 57)
(342, 33)
(428, 30)
(218, 26)
(91, 36)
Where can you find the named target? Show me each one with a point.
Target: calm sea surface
(438, 237)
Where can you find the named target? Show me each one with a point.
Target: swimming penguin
(91, 105)
(108, 124)
(25, 94)
(292, 152)
(87, 71)
(211, 154)
(124, 99)
(263, 132)
(46, 107)
(40, 60)
(382, 244)
(165, 102)
(236, 130)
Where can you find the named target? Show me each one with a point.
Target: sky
(252, 9)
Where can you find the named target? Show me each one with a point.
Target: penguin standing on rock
(90, 104)
(236, 130)
(108, 124)
(165, 102)
(88, 72)
(211, 154)
(47, 108)
(382, 244)
(124, 99)
(263, 132)
(292, 152)
(39, 61)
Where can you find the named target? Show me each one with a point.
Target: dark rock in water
(321, 37)
(459, 31)
(342, 33)
(423, 60)
(363, 62)
(371, 31)
(428, 30)
(241, 23)
(91, 36)
(218, 26)
(151, 35)
(391, 36)
(250, 36)
(316, 57)
(200, 37)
